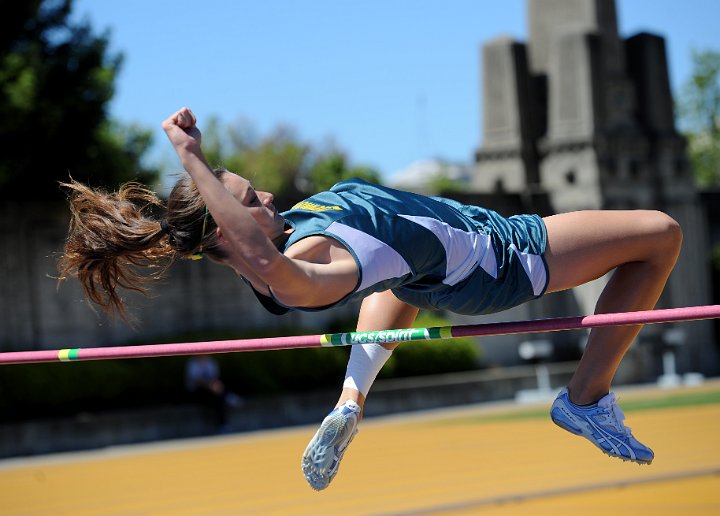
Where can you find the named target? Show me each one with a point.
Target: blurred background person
(203, 383)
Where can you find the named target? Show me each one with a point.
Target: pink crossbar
(685, 314)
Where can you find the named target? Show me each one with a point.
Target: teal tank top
(432, 252)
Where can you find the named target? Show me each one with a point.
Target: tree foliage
(278, 162)
(56, 79)
(699, 110)
(333, 166)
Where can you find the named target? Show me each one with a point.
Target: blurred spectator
(202, 381)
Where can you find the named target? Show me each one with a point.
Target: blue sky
(388, 81)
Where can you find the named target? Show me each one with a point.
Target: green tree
(279, 162)
(330, 167)
(273, 162)
(699, 110)
(443, 183)
(56, 79)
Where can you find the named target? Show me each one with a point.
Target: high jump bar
(685, 314)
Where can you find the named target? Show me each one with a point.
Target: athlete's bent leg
(641, 247)
(321, 459)
(381, 311)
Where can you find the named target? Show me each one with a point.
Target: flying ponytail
(121, 240)
(112, 236)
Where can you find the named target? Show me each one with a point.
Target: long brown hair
(127, 239)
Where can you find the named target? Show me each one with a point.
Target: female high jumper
(397, 251)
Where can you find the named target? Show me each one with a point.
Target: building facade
(585, 118)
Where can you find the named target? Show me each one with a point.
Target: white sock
(365, 363)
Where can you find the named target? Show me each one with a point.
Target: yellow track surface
(466, 461)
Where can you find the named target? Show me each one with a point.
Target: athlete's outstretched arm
(237, 225)
(296, 282)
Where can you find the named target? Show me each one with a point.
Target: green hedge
(432, 357)
(47, 390)
(56, 389)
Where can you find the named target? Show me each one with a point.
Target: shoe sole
(316, 475)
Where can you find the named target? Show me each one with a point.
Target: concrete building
(584, 119)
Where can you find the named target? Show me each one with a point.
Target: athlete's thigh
(384, 311)
(585, 245)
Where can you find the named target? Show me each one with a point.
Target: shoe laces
(615, 413)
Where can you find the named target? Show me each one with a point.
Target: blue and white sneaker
(322, 457)
(602, 425)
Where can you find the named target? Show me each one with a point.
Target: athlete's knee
(671, 230)
(666, 231)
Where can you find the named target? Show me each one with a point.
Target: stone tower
(586, 118)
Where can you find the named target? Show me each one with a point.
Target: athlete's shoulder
(354, 184)
(361, 187)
